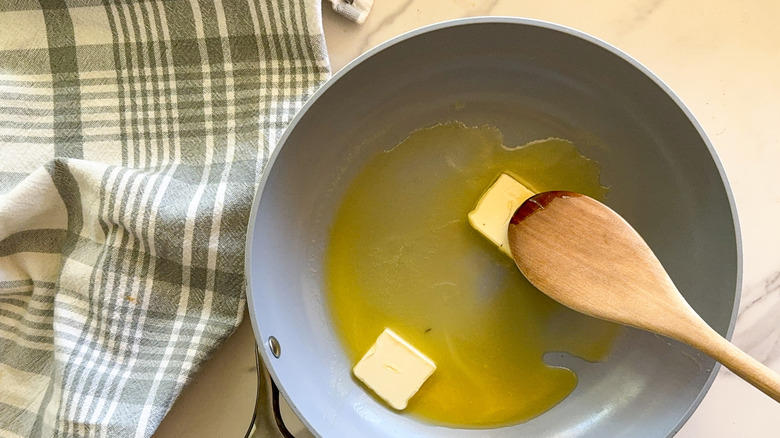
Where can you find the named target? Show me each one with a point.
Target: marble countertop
(721, 58)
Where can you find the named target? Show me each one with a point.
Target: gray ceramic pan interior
(532, 80)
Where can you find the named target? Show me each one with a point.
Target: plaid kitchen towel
(132, 137)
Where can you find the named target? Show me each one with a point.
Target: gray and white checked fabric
(132, 137)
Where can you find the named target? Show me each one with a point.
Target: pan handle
(267, 412)
(277, 411)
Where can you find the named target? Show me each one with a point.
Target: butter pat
(394, 369)
(494, 210)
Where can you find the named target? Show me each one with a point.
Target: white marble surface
(722, 58)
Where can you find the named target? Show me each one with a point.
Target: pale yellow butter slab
(495, 208)
(394, 369)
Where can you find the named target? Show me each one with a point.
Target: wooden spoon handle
(754, 372)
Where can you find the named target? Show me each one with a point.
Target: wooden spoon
(587, 257)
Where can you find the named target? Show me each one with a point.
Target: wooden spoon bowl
(582, 254)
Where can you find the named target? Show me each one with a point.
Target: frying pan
(532, 80)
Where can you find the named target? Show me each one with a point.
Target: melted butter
(403, 255)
